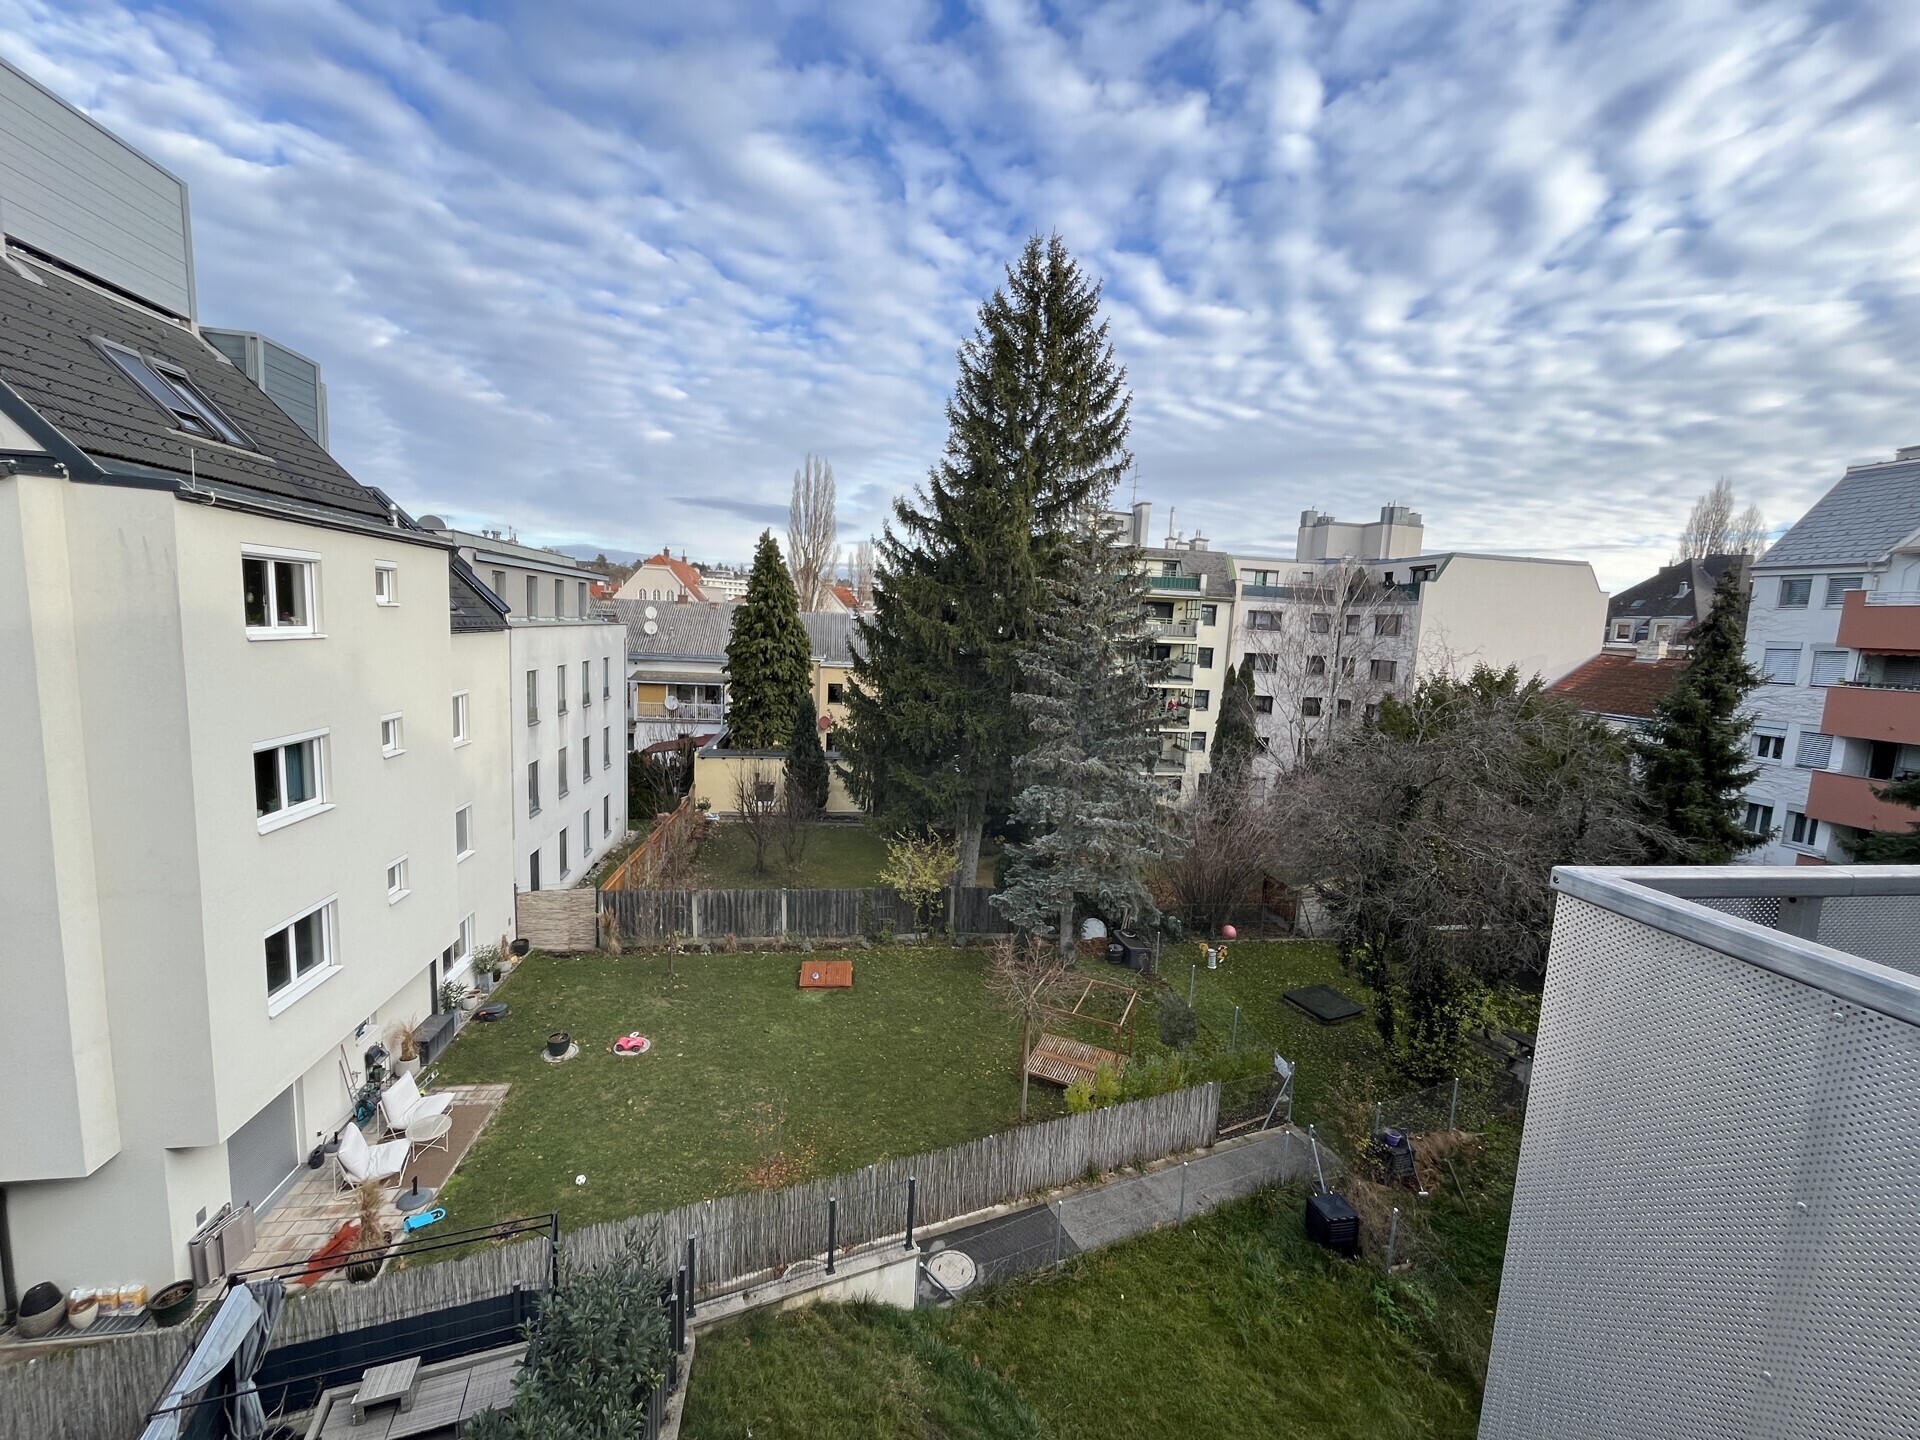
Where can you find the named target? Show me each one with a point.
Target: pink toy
(1227, 932)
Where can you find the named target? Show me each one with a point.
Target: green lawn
(839, 857)
(911, 1059)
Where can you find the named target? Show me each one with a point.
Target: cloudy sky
(1541, 270)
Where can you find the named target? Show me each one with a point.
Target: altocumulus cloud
(1543, 269)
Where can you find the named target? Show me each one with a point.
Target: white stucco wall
(1544, 616)
(542, 647)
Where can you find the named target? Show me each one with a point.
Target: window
(169, 388)
(286, 781)
(533, 697)
(1169, 567)
(1386, 671)
(586, 834)
(461, 735)
(606, 679)
(463, 832)
(1197, 742)
(1802, 830)
(586, 760)
(1263, 704)
(1343, 708)
(561, 690)
(1351, 623)
(1260, 577)
(1829, 667)
(1202, 699)
(837, 693)
(1210, 615)
(763, 792)
(1372, 712)
(1320, 624)
(1316, 665)
(386, 585)
(1386, 625)
(582, 597)
(1623, 631)
(563, 776)
(563, 852)
(533, 787)
(1266, 664)
(1795, 591)
(397, 880)
(1347, 663)
(1310, 705)
(390, 736)
(279, 594)
(1206, 657)
(1263, 619)
(586, 685)
(1769, 744)
(1759, 819)
(533, 871)
(1814, 750)
(559, 609)
(500, 583)
(299, 955)
(1780, 665)
(533, 596)
(1839, 585)
(606, 748)
(606, 816)
(461, 955)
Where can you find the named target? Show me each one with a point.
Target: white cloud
(607, 273)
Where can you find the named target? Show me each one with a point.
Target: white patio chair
(360, 1161)
(402, 1104)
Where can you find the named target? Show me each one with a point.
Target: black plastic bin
(1127, 950)
(1331, 1222)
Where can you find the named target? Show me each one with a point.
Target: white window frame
(462, 950)
(1767, 676)
(462, 719)
(398, 746)
(1623, 632)
(1826, 653)
(293, 814)
(309, 561)
(1809, 828)
(1770, 746)
(460, 853)
(606, 816)
(398, 892)
(1780, 600)
(303, 985)
(1837, 598)
(566, 786)
(1763, 813)
(386, 583)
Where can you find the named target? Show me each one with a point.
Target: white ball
(579, 1179)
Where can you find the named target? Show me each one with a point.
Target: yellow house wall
(715, 775)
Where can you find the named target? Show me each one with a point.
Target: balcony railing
(1873, 712)
(1180, 714)
(1179, 672)
(688, 710)
(1173, 582)
(1853, 800)
(1173, 629)
(1893, 597)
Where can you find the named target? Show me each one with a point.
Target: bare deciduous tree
(1713, 528)
(812, 532)
(1228, 850)
(756, 801)
(862, 576)
(1021, 973)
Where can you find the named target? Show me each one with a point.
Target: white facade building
(567, 710)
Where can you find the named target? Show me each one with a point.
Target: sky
(605, 273)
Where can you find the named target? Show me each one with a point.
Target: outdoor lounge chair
(402, 1104)
(360, 1161)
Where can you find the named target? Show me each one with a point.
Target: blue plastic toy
(424, 1218)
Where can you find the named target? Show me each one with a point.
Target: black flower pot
(520, 947)
(557, 1043)
(173, 1304)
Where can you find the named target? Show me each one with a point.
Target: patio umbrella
(244, 1415)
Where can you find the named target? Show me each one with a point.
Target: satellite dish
(650, 628)
(651, 614)
(672, 702)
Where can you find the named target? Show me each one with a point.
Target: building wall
(716, 776)
(660, 585)
(483, 778)
(541, 647)
(1544, 616)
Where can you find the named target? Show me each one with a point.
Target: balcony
(1849, 800)
(1173, 629)
(692, 712)
(1189, 583)
(1179, 672)
(1884, 622)
(1170, 763)
(1864, 711)
(1178, 712)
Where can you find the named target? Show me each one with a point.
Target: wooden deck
(447, 1395)
(1060, 1061)
(827, 975)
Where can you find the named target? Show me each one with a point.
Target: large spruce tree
(1694, 756)
(1037, 428)
(769, 659)
(1085, 793)
(1235, 738)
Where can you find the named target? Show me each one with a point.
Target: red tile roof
(682, 571)
(1621, 685)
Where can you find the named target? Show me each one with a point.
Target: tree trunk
(1066, 930)
(1026, 1036)
(969, 815)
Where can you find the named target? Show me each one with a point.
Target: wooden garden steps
(1060, 1061)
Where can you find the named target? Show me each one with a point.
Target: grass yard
(839, 857)
(911, 1059)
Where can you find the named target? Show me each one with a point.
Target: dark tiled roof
(1620, 685)
(1871, 510)
(1216, 565)
(1682, 590)
(47, 356)
(475, 608)
(698, 629)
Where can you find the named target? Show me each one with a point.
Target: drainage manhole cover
(952, 1268)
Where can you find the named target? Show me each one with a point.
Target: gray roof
(698, 630)
(475, 607)
(1871, 510)
(48, 357)
(1216, 565)
(1683, 590)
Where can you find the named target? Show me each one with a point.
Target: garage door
(263, 1155)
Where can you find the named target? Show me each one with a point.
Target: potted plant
(520, 948)
(173, 1304)
(451, 994)
(370, 1250)
(42, 1309)
(486, 968)
(404, 1048)
(558, 1043)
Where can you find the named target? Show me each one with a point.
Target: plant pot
(558, 1042)
(41, 1310)
(172, 1305)
(82, 1314)
(484, 981)
(369, 1268)
(407, 1067)
(520, 947)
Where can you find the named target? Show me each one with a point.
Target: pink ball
(1227, 932)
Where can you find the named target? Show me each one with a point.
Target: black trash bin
(1331, 1222)
(1127, 950)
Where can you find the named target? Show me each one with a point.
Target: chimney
(1142, 519)
(1199, 541)
(1173, 535)
(1907, 452)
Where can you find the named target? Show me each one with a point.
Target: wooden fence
(104, 1391)
(737, 1236)
(563, 921)
(653, 854)
(648, 916)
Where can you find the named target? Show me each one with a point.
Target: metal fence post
(1286, 1153)
(1057, 1227)
(1183, 1192)
(1453, 1109)
(1193, 973)
(912, 1185)
(833, 1229)
(1393, 1236)
(692, 1277)
(681, 1298)
(1314, 1141)
(1233, 1039)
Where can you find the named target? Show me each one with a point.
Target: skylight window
(169, 388)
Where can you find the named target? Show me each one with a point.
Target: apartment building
(1834, 630)
(568, 713)
(1363, 610)
(255, 802)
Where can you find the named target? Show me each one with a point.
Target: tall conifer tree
(1037, 427)
(1694, 756)
(769, 658)
(1085, 792)
(806, 769)
(1235, 740)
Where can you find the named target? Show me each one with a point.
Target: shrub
(1080, 1096)
(1179, 1027)
(1106, 1086)
(921, 869)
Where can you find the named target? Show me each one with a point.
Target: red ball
(1227, 932)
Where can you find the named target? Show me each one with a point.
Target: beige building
(665, 580)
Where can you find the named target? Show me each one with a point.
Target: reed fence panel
(642, 917)
(655, 853)
(101, 1391)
